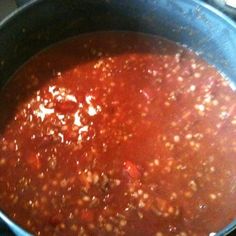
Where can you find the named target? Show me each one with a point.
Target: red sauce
(118, 134)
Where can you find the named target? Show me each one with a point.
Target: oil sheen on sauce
(117, 133)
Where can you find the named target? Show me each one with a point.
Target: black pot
(41, 23)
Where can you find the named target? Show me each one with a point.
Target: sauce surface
(117, 133)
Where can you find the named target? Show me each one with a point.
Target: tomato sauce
(118, 133)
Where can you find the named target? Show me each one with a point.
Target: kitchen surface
(6, 7)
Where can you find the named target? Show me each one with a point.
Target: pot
(40, 23)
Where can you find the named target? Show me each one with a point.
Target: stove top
(6, 7)
(227, 6)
